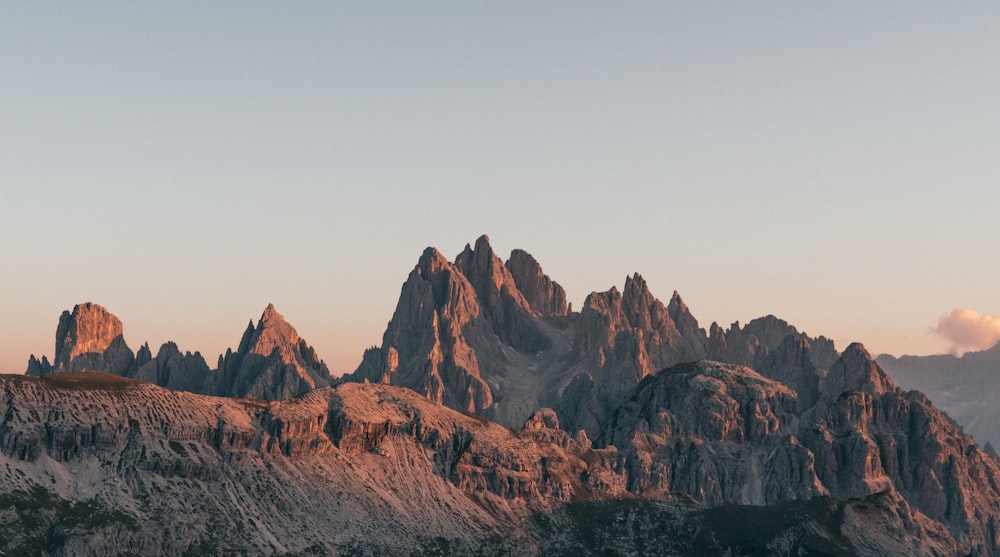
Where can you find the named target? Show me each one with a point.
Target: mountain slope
(966, 387)
(93, 463)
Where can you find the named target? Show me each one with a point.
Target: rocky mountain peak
(271, 363)
(89, 338)
(488, 275)
(856, 371)
(273, 332)
(431, 261)
(636, 290)
(544, 296)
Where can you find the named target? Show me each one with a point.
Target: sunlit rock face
(271, 363)
(88, 338)
(498, 339)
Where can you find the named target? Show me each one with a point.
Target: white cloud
(968, 329)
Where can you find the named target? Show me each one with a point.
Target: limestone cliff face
(544, 296)
(359, 466)
(89, 338)
(622, 338)
(271, 363)
(426, 346)
(500, 300)
(720, 433)
(751, 344)
(497, 339)
(717, 432)
(868, 436)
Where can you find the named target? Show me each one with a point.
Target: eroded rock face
(89, 338)
(271, 363)
(622, 338)
(751, 344)
(717, 432)
(385, 468)
(426, 345)
(375, 465)
(544, 296)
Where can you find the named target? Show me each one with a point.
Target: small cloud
(968, 329)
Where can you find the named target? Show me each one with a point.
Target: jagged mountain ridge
(782, 425)
(498, 339)
(271, 362)
(868, 469)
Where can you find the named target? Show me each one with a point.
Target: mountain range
(493, 419)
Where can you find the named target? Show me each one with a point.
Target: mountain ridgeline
(271, 362)
(492, 420)
(499, 340)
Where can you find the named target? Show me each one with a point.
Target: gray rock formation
(426, 345)
(171, 369)
(544, 296)
(622, 338)
(965, 387)
(498, 339)
(869, 437)
(750, 345)
(271, 363)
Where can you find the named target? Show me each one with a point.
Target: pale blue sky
(184, 164)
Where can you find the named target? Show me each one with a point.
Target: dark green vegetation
(642, 527)
(45, 522)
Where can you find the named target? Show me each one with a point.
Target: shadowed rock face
(172, 369)
(965, 387)
(752, 344)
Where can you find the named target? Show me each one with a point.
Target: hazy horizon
(833, 165)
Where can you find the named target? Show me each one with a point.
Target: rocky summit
(89, 338)
(271, 362)
(498, 339)
(492, 420)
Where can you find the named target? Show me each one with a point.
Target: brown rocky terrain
(704, 457)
